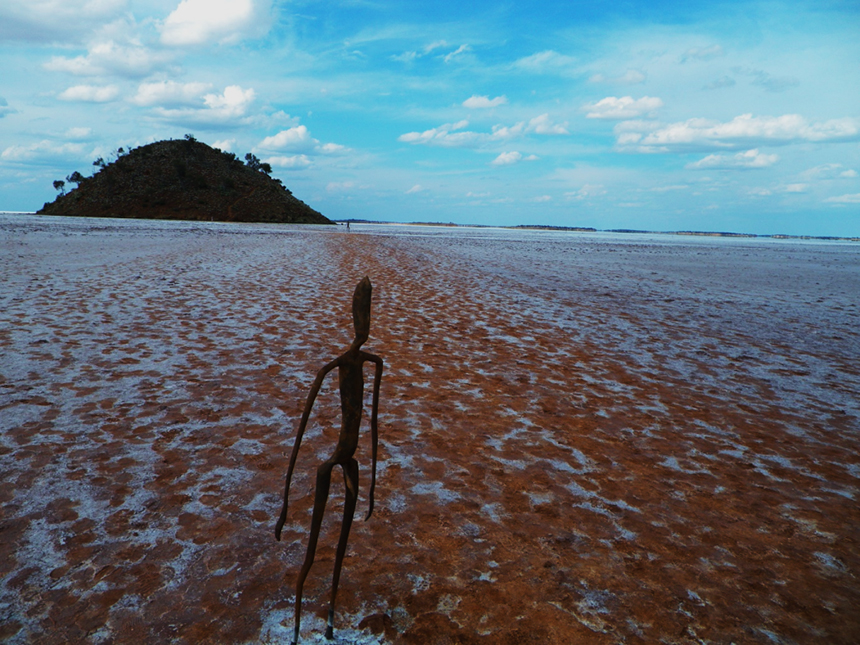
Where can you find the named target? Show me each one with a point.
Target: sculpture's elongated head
(361, 310)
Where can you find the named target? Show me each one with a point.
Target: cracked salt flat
(620, 370)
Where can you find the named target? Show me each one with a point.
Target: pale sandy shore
(584, 438)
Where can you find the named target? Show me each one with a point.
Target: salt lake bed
(584, 437)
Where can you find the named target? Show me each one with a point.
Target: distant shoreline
(547, 227)
(584, 229)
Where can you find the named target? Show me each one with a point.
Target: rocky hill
(183, 179)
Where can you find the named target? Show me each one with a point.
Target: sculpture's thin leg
(323, 481)
(350, 479)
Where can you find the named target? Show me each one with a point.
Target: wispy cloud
(630, 77)
(340, 186)
(740, 161)
(703, 53)
(43, 150)
(768, 81)
(587, 190)
(452, 135)
(108, 58)
(5, 108)
(409, 56)
(828, 171)
(90, 93)
(44, 21)
(844, 199)
(721, 82)
(76, 134)
(545, 62)
(625, 107)
(740, 131)
(462, 49)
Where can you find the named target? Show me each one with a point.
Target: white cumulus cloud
(291, 162)
(742, 160)
(169, 93)
(625, 107)
(197, 22)
(477, 102)
(233, 102)
(507, 158)
(224, 144)
(299, 139)
(231, 105)
(445, 135)
(543, 125)
(90, 93)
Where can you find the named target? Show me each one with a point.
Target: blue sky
(720, 116)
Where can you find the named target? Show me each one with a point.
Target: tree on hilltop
(74, 178)
(254, 163)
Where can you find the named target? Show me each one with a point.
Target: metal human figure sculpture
(351, 380)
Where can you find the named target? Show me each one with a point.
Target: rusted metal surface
(349, 367)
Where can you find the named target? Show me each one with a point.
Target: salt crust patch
(603, 437)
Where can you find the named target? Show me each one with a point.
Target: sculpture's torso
(351, 380)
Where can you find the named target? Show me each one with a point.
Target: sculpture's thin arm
(374, 428)
(312, 395)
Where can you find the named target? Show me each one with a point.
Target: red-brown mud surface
(583, 439)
